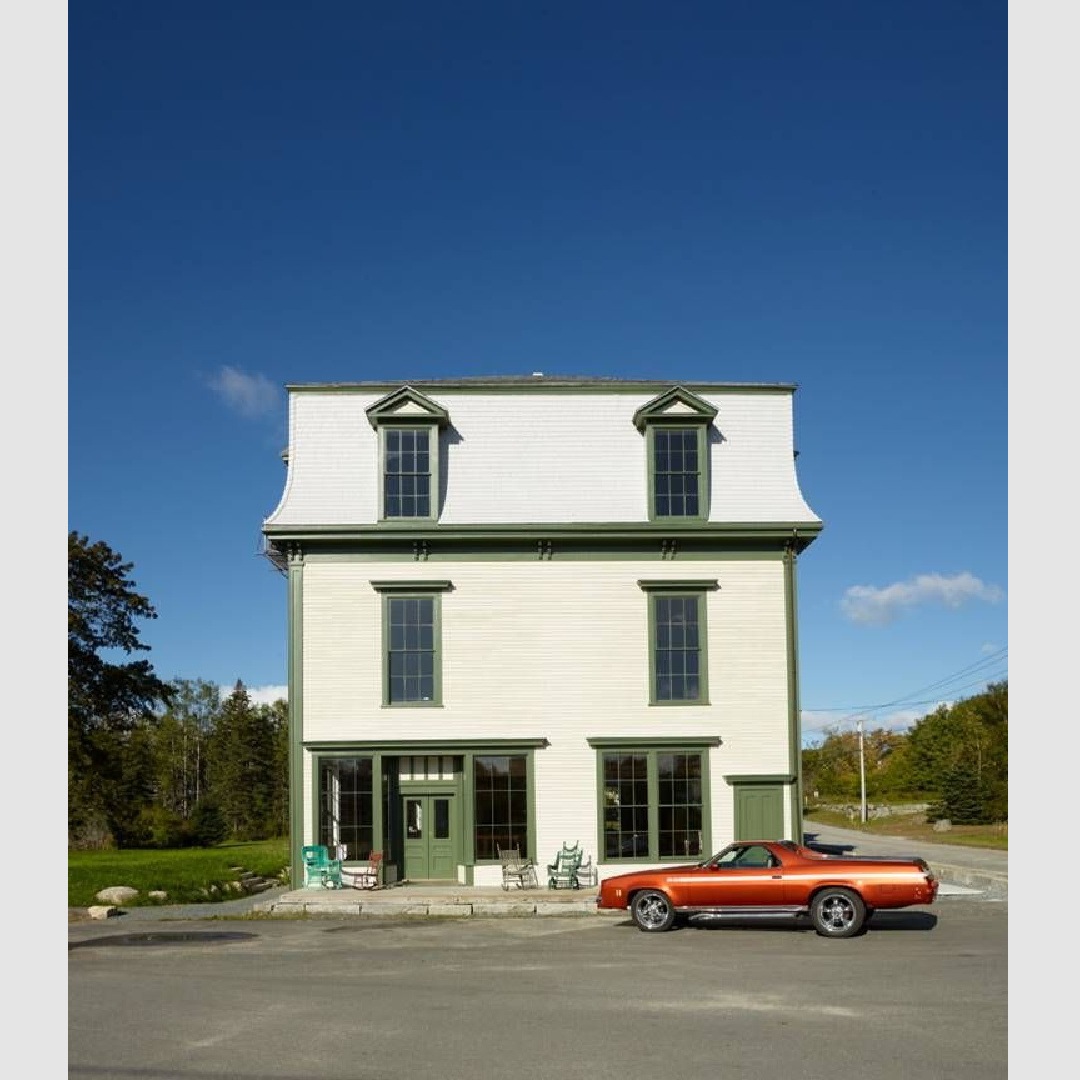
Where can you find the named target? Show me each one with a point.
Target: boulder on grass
(158, 894)
(944, 825)
(103, 911)
(117, 894)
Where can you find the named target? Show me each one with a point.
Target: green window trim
(759, 778)
(678, 584)
(424, 746)
(407, 585)
(387, 409)
(411, 423)
(662, 742)
(466, 749)
(435, 596)
(651, 752)
(377, 826)
(701, 432)
(470, 803)
(697, 409)
(699, 594)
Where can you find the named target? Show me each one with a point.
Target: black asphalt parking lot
(923, 993)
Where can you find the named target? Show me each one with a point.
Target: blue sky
(816, 193)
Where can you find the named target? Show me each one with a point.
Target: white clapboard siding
(539, 457)
(557, 650)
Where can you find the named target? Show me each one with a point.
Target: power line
(992, 659)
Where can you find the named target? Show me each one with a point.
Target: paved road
(868, 844)
(922, 994)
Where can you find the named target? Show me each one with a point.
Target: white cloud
(250, 395)
(260, 695)
(877, 606)
(988, 648)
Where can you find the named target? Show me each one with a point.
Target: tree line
(956, 758)
(153, 763)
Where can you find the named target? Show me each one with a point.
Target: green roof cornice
(656, 410)
(790, 530)
(387, 410)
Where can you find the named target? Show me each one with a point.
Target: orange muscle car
(772, 879)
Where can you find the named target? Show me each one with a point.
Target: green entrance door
(759, 812)
(430, 840)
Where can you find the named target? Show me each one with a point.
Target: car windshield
(744, 856)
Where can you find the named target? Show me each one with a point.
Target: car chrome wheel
(653, 911)
(838, 913)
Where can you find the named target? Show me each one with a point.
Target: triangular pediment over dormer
(405, 403)
(676, 404)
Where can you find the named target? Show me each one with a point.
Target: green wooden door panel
(442, 862)
(431, 837)
(759, 812)
(416, 831)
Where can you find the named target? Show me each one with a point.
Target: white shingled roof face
(536, 457)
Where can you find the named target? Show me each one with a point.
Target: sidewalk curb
(984, 880)
(493, 909)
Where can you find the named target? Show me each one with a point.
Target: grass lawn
(180, 872)
(911, 827)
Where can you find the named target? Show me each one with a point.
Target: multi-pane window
(679, 778)
(676, 472)
(677, 655)
(501, 808)
(407, 473)
(626, 805)
(345, 805)
(411, 650)
(653, 805)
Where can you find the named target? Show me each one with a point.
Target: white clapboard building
(529, 611)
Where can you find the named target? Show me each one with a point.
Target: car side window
(756, 856)
(747, 856)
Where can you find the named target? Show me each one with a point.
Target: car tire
(652, 911)
(838, 913)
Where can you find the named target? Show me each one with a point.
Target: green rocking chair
(562, 873)
(319, 869)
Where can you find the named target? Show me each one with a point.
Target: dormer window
(407, 472)
(676, 427)
(408, 424)
(676, 472)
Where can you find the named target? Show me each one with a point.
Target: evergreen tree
(964, 796)
(207, 824)
(106, 700)
(241, 767)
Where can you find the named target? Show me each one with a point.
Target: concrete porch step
(431, 902)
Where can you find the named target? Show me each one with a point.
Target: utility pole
(862, 773)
